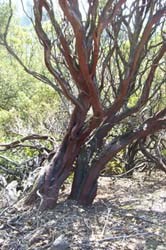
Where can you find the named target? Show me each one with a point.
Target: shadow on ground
(127, 214)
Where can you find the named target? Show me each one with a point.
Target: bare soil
(128, 213)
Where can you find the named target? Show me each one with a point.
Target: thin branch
(18, 143)
(46, 43)
(9, 160)
(153, 124)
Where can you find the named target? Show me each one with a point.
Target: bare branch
(18, 143)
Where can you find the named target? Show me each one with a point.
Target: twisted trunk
(85, 61)
(60, 164)
(84, 187)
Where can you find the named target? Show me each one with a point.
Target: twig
(4, 210)
(140, 218)
(106, 222)
(38, 210)
(26, 13)
(9, 160)
(123, 174)
(86, 224)
(8, 207)
(14, 228)
(27, 138)
(125, 236)
(119, 237)
(9, 171)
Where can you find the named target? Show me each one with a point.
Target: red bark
(99, 64)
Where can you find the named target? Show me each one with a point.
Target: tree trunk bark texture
(86, 158)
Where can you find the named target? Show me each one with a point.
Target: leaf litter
(127, 214)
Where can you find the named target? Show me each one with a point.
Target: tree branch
(152, 125)
(18, 143)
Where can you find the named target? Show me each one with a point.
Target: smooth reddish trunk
(55, 173)
(84, 187)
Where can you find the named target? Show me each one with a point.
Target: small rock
(1, 241)
(60, 243)
(160, 247)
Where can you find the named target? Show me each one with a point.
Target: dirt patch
(127, 214)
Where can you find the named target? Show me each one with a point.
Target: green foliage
(27, 106)
(4, 13)
(164, 152)
(25, 103)
(115, 166)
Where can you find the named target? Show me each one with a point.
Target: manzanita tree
(108, 61)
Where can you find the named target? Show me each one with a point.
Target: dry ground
(127, 214)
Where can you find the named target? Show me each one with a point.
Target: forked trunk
(81, 172)
(60, 165)
(89, 163)
(84, 188)
(54, 174)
